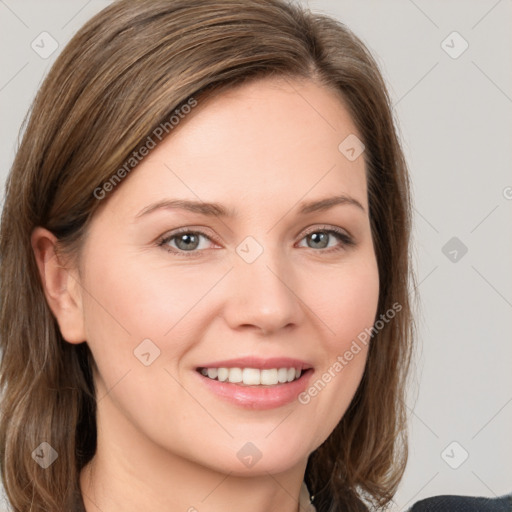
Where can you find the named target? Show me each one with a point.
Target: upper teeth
(253, 376)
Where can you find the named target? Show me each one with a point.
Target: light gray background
(455, 116)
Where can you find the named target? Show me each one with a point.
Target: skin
(165, 442)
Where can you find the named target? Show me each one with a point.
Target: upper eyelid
(179, 231)
(324, 227)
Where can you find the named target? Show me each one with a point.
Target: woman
(205, 269)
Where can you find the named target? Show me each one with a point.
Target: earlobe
(60, 285)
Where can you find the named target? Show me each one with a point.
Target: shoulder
(451, 503)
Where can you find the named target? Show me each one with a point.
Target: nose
(263, 294)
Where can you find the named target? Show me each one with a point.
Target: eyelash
(346, 240)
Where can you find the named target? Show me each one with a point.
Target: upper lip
(258, 362)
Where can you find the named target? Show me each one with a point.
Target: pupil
(188, 240)
(319, 238)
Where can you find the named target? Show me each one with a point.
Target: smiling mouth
(253, 376)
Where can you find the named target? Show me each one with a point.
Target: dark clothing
(449, 503)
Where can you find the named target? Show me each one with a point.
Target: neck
(131, 473)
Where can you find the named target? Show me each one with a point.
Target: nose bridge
(263, 282)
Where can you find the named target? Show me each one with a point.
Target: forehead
(269, 140)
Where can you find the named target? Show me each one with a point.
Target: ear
(61, 286)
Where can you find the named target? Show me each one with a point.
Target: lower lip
(258, 397)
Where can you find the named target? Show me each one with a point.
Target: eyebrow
(216, 209)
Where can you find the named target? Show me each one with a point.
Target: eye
(184, 241)
(320, 238)
(187, 242)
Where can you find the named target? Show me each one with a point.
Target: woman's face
(168, 290)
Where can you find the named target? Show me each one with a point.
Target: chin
(256, 458)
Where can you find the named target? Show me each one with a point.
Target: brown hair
(123, 74)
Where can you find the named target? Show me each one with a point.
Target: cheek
(348, 303)
(347, 309)
(128, 304)
(144, 301)
(128, 312)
